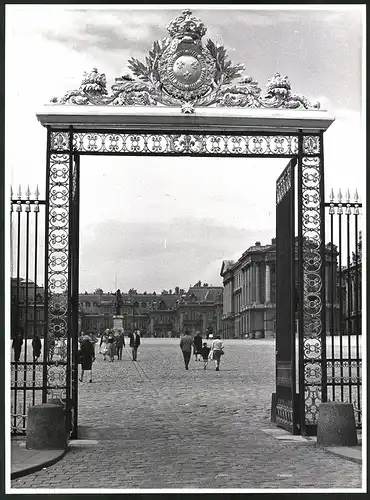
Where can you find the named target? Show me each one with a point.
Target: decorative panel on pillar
(312, 280)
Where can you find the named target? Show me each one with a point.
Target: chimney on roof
(258, 244)
(273, 241)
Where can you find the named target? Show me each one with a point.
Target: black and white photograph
(184, 244)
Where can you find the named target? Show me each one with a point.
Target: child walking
(205, 352)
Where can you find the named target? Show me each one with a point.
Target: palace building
(249, 300)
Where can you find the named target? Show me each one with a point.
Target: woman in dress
(87, 356)
(111, 346)
(217, 349)
(103, 344)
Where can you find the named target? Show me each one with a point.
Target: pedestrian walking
(87, 356)
(186, 343)
(205, 353)
(36, 346)
(110, 346)
(17, 344)
(135, 341)
(120, 343)
(197, 344)
(217, 350)
(103, 349)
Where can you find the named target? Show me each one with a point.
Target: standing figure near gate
(87, 356)
(120, 343)
(134, 343)
(103, 349)
(17, 344)
(36, 345)
(186, 343)
(111, 345)
(197, 343)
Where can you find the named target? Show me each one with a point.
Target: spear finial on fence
(331, 199)
(356, 210)
(36, 207)
(348, 200)
(28, 194)
(340, 209)
(19, 203)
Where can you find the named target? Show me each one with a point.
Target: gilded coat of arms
(182, 70)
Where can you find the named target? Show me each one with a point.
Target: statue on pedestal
(118, 303)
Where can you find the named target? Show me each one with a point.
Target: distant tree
(164, 292)
(132, 291)
(205, 284)
(98, 291)
(170, 291)
(154, 293)
(145, 292)
(177, 290)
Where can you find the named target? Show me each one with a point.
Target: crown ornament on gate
(182, 70)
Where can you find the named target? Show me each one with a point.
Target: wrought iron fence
(27, 305)
(343, 295)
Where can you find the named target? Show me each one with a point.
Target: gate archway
(188, 100)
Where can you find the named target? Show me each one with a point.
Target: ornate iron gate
(286, 406)
(117, 127)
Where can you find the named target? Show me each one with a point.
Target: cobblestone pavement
(156, 426)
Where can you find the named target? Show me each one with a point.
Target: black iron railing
(27, 306)
(343, 294)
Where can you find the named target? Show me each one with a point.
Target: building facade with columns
(249, 299)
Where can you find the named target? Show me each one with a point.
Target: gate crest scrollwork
(181, 70)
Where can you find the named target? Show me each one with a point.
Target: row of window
(143, 305)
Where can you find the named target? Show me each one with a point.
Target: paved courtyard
(154, 425)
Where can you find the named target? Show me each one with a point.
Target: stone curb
(36, 467)
(346, 453)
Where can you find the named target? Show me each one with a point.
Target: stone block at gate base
(46, 427)
(336, 425)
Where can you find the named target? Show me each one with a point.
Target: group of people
(201, 349)
(111, 344)
(18, 343)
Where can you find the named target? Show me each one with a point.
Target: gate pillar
(311, 280)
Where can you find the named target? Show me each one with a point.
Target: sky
(157, 223)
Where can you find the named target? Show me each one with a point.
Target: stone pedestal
(118, 323)
(46, 427)
(336, 425)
